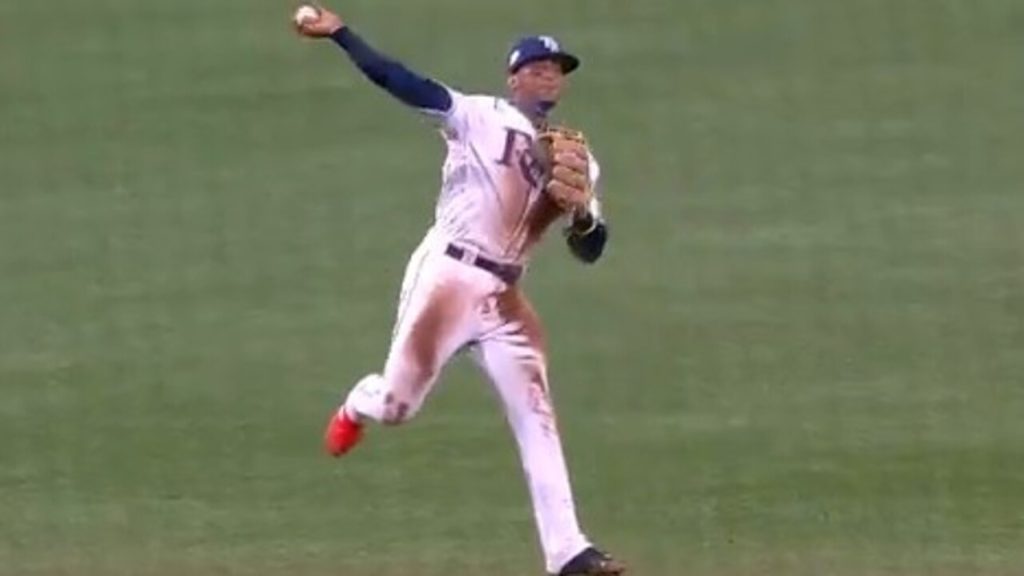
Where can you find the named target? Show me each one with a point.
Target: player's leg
(435, 318)
(434, 324)
(512, 353)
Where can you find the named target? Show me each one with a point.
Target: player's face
(540, 81)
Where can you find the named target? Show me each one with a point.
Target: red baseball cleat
(342, 434)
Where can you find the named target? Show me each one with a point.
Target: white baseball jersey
(491, 196)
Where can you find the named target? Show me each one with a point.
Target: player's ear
(513, 82)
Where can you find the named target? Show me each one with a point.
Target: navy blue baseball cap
(534, 48)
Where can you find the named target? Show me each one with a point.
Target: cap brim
(567, 61)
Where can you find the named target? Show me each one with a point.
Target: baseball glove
(566, 159)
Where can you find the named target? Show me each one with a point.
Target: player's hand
(326, 24)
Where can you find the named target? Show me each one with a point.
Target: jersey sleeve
(454, 121)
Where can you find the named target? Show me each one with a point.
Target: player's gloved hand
(565, 156)
(326, 24)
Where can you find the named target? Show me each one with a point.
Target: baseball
(306, 13)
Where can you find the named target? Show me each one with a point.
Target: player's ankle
(350, 414)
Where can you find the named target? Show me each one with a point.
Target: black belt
(508, 273)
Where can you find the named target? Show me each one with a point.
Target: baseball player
(507, 177)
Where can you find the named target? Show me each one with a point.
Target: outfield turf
(802, 355)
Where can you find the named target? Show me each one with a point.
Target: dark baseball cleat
(592, 562)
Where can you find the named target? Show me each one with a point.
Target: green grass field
(802, 354)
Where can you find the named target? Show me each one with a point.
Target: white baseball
(306, 13)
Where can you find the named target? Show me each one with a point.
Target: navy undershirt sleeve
(399, 81)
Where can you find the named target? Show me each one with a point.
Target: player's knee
(408, 383)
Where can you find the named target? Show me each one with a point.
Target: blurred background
(802, 353)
